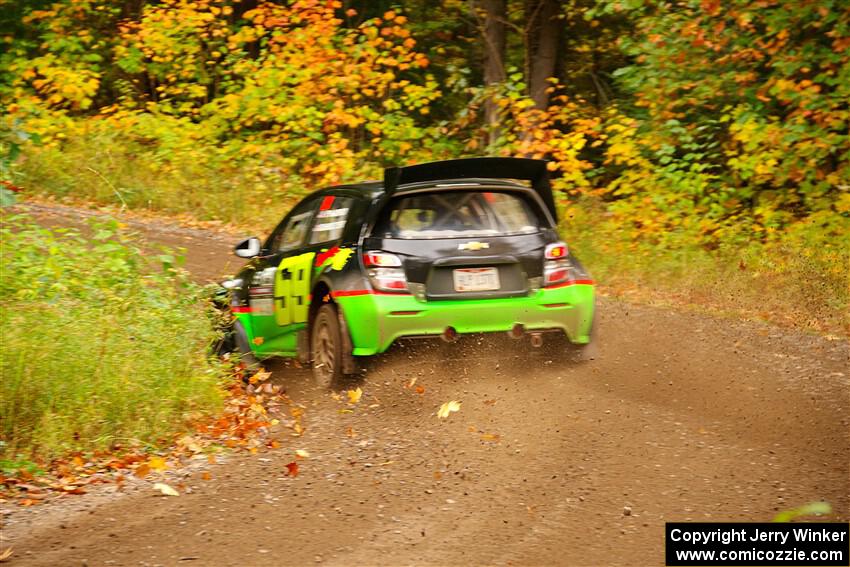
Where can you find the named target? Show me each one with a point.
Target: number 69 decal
(292, 289)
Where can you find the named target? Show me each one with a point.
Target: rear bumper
(376, 320)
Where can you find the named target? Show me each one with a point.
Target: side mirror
(248, 248)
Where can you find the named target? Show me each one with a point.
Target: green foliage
(800, 279)
(723, 134)
(10, 149)
(102, 347)
(176, 178)
(285, 87)
(738, 118)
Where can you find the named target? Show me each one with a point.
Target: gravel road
(548, 462)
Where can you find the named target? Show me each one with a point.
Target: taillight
(381, 260)
(556, 251)
(556, 267)
(555, 272)
(385, 271)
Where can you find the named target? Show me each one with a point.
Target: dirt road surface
(549, 462)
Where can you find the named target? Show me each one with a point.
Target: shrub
(102, 347)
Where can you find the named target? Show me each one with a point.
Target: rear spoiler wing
(533, 170)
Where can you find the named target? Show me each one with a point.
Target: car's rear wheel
(326, 347)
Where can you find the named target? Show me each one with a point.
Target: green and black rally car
(436, 249)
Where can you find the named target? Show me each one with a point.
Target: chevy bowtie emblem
(473, 246)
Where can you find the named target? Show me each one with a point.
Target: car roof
(374, 189)
(457, 173)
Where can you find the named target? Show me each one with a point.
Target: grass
(111, 170)
(101, 348)
(800, 281)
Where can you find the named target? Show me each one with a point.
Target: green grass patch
(799, 278)
(198, 180)
(103, 345)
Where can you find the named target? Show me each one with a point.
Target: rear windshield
(457, 214)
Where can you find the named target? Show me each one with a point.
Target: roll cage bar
(533, 170)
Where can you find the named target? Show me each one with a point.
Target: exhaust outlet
(536, 340)
(449, 335)
(517, 331)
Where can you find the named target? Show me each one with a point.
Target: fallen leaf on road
(6, 554)
(301, 453)
(490, 437)
(260, 376)
(447, 408)
(206, 476)
(165, 489)
(420, 390)
(142, 471)
(157, 464)
(354, 395)
(438, 475)
(489, 402)
(292, 468)
(411, 383)
(190, 444)
(810, 509)
(350, 432)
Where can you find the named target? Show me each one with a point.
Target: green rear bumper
(375, 321)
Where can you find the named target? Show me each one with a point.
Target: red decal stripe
(570, 282)
(322, 257)
(241, 309)
(350, 292)
(327, 203)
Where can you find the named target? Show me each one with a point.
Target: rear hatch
(458, 244)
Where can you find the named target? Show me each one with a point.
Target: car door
(296, 273)
(280, 289)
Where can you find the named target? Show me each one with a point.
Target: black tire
(243, 348)
(326, 347)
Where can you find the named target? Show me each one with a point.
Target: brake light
(556, 251)
(385, 271)
(381, 260)
(555, 272)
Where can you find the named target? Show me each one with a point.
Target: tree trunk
(543, 30)
(491, 15)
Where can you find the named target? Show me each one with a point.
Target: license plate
(476, 279)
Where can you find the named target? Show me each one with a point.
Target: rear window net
(457, 214)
